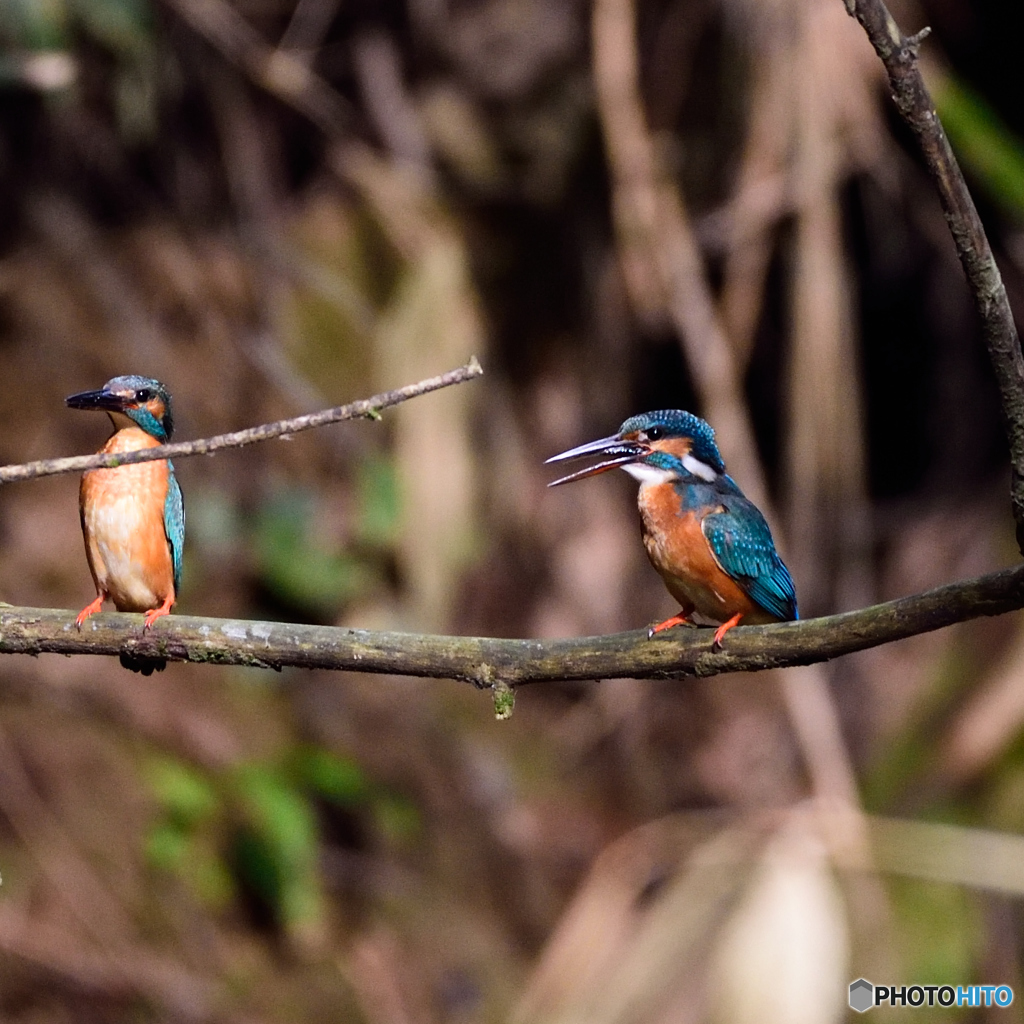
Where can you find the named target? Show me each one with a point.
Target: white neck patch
(649, 474)
(697, 468)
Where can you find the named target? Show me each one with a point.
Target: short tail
(147, 666)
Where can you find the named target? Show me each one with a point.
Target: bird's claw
(155, 613)
(89, 609)
(716, 643)
(679, 619)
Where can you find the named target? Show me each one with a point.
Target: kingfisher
(133, 518)
(709, 543)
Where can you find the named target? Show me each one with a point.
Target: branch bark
(489, 662)
(366, 407)
(899, 55)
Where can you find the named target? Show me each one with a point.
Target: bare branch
(899, 55)
(490, 662)
(366, 407)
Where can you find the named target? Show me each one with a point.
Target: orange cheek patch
(677, 446)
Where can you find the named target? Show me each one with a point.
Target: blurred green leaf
(123, 26)
(185, 795)
(192, 859)
(337, 779)
(380, 505)
(909, 755)
(398, 820)
(276, 847)
(939, 927)
(34, 24)
(166, 846)
(297, 571)
(208, 876)
(988, 149)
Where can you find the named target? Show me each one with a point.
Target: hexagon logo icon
(862, 995)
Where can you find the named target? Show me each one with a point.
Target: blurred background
(618, 206)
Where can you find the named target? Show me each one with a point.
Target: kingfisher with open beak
(133, 518)
(709, 543)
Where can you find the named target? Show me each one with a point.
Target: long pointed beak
(621, 452)
(600, 447)
(95, 400)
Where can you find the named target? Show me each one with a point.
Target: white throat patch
(649, 474)
(697, 468)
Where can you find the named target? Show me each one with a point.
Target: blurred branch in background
(661, 263)
(899, 55)
(720, 886)
(364, 408)
(487, 661)
(278, 70)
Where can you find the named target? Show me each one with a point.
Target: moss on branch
(488, 661)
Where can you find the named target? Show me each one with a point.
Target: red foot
(89, 609)
(154, 613)
(681, 618)
(716, 644)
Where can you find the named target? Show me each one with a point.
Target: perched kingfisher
(709, 543)
(133, 518)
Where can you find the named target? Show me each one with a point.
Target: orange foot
(154, 613)
(89, 609)
(716, 644)
(681, 618)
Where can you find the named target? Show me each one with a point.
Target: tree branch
(899, 55)
(366, 407)
(492, 662)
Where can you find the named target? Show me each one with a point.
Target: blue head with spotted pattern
(131, 400)
(676, 424)
(666, 444)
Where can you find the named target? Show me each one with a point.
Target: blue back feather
(174, 524)
(742, 544)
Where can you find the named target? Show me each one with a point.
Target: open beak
(619, 451)
(101, 399)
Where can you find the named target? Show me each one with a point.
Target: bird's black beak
(618, 448)
(101, 399)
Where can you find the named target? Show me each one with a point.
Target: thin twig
(899, 55)
(486, 661)
(282, 73)
(366, 407)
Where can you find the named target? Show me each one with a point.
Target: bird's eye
(143, 395)
(655, 433)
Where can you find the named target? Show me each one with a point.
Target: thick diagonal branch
(899, 55)
(366, 407)
(487, 661)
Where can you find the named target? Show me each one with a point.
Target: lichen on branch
(489, 662)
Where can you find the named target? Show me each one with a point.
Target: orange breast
(123, 523)
(679, 551)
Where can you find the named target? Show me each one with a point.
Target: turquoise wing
(742, 545)
(174, 524)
